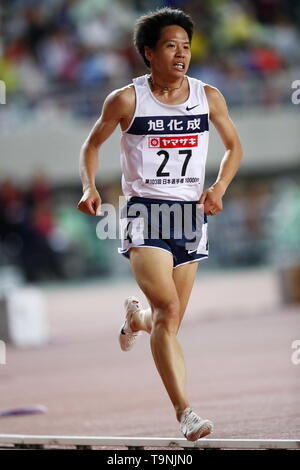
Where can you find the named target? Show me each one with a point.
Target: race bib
(171, 160)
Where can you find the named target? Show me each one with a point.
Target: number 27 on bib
(171, 161)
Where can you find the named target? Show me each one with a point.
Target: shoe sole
(127, 301)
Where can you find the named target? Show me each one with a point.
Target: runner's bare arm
(228, 133)
(102, 130)
(233, 153)
(114, 109)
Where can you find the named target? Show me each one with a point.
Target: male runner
(164, 121)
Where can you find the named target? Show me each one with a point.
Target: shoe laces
(190, 417)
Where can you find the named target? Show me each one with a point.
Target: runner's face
(172, 50)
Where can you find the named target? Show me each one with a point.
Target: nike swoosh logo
(189, 109)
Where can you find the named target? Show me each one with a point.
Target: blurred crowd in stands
(27, 222)
(43, 234)
(46, 238)
(68, 54)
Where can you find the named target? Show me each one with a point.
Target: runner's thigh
(153, 271)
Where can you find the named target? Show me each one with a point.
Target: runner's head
(163, 38)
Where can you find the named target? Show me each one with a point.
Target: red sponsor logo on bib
(173, 142)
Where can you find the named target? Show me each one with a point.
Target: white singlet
(164, 149)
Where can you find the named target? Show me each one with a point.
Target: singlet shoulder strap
(140, 81)
(198, 92)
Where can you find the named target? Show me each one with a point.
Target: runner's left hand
(212, 199)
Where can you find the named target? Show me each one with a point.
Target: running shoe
(193, 427)
(127, 337)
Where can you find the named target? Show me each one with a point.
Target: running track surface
(236, 336)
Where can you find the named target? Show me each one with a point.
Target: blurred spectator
(26, 223)
(45, 237)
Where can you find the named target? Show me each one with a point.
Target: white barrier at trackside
(141, 442)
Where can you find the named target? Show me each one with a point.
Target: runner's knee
(166, 314)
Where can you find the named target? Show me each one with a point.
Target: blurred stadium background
(58, 60)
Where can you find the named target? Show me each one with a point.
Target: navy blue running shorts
(179, 227)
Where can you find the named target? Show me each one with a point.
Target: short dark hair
(148, 27)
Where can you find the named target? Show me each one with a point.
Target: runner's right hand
(90, 203)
